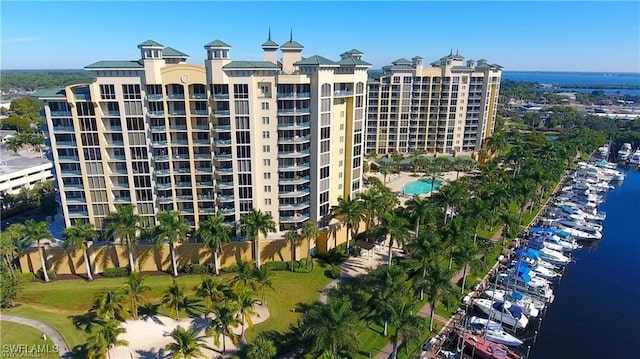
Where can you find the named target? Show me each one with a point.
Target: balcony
(76, 214)
(294, 167)
(198, 96)
(154, 97)
(178, 127)
(122, 199)
(204, 184)
(159, 143)
(220, 113)
(182, 170)
(293, 154)
(222, 128)
(186, 210)
(82, 96)
(286, 95)
(207, 210)
(184, 198)
(76, 200)
(113, 128)
(158, 128)
(296, 139)
(229, 198)
(294, 194)
(205, 197)
(224, 169)
(295, 206)
(294, 111)
(201, 156)
(60, 113)
(156, 113)
(342, 93)
(164, 185)
(165, 200)
(177, 112)
(225, 185)
(181, 157)
(66, 144)
(295, 219)
(62, 129)
(179, 142)
(116, 143)
(122, 171)
(74, 185)
(293, 180)
(183, 185)
(175, 96)
(112, 114)
(204, 127)
(222, 143)
(220, 96)
(161, 158)
(293, 125)
(68, 158)
(202, 141)
(227, 210)
(70, 173)
(120, 185)
(200, 112)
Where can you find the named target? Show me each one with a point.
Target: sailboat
(486, 349)
(493, 331)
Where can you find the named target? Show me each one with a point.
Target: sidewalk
(56, 338)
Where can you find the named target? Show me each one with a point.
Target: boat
(493, 331)
(522, 299)
(505, 312)
(553, 257)
(485, 349)
(539, 270)
(624, 152)
(525, 283)
(634, 160)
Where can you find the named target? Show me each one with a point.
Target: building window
(266, 148)
(266, 162)
(131, 92)
(107, 92)
(241, 91)
(267, 201)
(267, 188)
(342, 127)
(267, 175)
(265, 120)
(265, 134)
(265, 105)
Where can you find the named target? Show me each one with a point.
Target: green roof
(352, 61)
(461, 68)
(291, 45)
(269, 43)
(217, 43)
(83, 81)
(171, 52)
(115, 65)
(402, 61)
(54, 92)
(315, 60)
(250, 65)
(150, 43)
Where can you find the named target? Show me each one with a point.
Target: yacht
(522, 299)
(634, 160)
(526, 284)
(504, 312)
(624, 152)
(493, 331)
(483, 348)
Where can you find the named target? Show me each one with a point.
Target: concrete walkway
(56, 338)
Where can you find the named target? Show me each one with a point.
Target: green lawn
(18, 334)
(56, 302)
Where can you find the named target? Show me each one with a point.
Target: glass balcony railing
(220, 96)
(154, 97)
(82, 96)
(62, 128)
(206, 210)
(227, 210)
(294, 180)
(60, 113)
(177, 112)
(225, 185)
(202, 155)
(68, 158)
(295, 206)
(293, 154)
(200, 127)
(179, 142)
(224, 169)
(122, 199)
(204, 170)
(161, 158)
(339, 93)
(228, 198)
(220, 112)
(113, 113)
(198, 96)
(222, 142)
(293, 111)
(66, 144)
(200, 112)
(113, 128)
(164, 185)
(295, 219)
(159, 143)
(202, 141)
(178, 127)
(175, 96)
(294, 167)
(294, 124)
(156, 113)
(222, 127)
(294, 139)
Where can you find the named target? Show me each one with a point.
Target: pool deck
(396, 181)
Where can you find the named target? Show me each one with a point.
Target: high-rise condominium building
(448, 107)
(283, 136)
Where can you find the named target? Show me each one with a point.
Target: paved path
(56, 338)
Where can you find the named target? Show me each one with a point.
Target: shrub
(335, 271)
(51, 273)
(196, 268)
(277, 266)
(116, 272)
(26, 277)
(230, 269)
(302, 262)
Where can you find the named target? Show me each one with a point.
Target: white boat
(493, 331)
(624, 152)
(553, 257)
(576, 233)
(504, 312)
(603, 151)
(593, 216)
(538, 242)
(550, 235)
(543, 272)
(522, 299)
(634, 160)
(526, 284)
(579, 224)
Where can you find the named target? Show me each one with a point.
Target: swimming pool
(421, 186)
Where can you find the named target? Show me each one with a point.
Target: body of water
(421, 186)
(596, 311)
(579, 78)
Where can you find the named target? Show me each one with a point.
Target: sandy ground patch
(396, 181)
(149, 335)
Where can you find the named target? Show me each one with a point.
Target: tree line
(38, 79)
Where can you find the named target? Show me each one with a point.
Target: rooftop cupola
(291, 53)
(270, 47)
(217, 50)
(151, 50)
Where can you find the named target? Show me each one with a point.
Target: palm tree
(261, 348)
(213, 290)
(351, 213)
(497, 142)
(478, 211)
(246, 299)
(438, 285)
(385, 284)
(214, 232)
(463, 164)
(451, 196)
(396, 228)
(186, 344)
(455, 232)
(397, 158)
(256, 223)
(172, 228)
(310, 231)
(408, 325)
(244, 274)
(425, 248)
(126, 225)
(509, 220)
(13, 144)
(105, 338)
(332, 328)
(467, 255)
(294, 240)
(225, 319)
(135, 288)
(416, 159)
(173, 298)
(261, 280)
(418, 209)
(109, 306)
(77, 236)
(36, 232)
(386, 168)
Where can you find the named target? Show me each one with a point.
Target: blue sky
(566, 36)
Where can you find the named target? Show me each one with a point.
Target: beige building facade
(448, 107)
(282, 136)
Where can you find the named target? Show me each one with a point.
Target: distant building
(18, 172)
(448, 107)
(285, 137)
